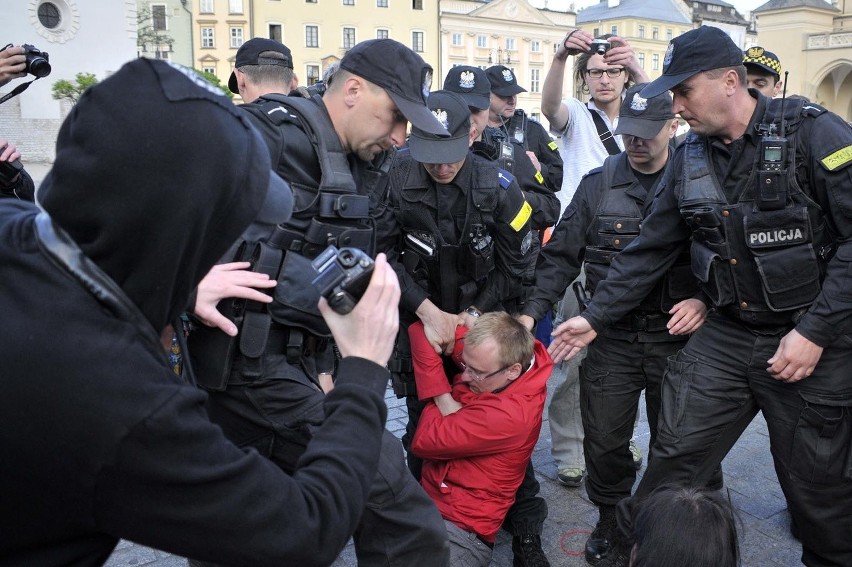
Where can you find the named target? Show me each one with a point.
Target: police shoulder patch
(539, 177)
(552, 145)
(521, 217)
(505, 178)
(837, 159)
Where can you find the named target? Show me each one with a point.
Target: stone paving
(765, 538)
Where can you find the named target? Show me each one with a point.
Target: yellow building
(317, 32)
(506, 32)
(813, 40)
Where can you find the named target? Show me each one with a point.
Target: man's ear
(514, 372)
(353, 88)
(471, 135)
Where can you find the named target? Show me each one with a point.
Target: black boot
(598, 544)
(528, 552)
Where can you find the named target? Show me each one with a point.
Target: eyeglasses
(476, 377)
(611, 73)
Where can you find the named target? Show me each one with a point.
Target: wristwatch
(473, 311)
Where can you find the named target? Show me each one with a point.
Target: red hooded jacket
(475, 458)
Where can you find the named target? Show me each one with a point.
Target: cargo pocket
(675, 388)
(592, 397)
(821, 452)
(790, 277)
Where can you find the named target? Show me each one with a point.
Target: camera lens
(39, 67)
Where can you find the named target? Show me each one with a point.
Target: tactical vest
(333, 213)
(761, 261)
(616, 224)
(451, 273)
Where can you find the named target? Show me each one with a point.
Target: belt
(761, 322)
(638, 321)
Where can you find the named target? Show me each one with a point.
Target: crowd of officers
(717, 272)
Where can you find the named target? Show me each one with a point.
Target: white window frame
(482, 41)
(237, 37)
(205, 6)
(456, 39)
(535, 46)
(316, 36)
(382, 33)
(535, 80)
(208, 40)
(235, 6)
(346, 43)
(418, 39)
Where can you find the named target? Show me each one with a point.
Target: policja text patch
(838, 159)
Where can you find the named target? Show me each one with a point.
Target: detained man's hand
(687, 316)
(795, 359)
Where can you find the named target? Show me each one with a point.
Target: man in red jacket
(476, 436)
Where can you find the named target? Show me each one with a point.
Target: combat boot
(527, 551)
(599, 543)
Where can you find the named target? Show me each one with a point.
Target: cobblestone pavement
(749, 478)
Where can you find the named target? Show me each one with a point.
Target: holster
(212, 351)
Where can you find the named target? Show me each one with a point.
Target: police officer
(267, 386)
(604, 217)
(763, 71)
(465, 238)
(767, 198)
(507, 123)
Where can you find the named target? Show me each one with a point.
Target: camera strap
(607, 138)
(18, 90)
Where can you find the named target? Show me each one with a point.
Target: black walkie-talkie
(773, 183)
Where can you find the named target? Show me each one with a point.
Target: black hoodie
(154, 178)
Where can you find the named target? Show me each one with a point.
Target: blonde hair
(515, 343)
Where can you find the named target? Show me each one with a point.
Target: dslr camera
(600, 46)
(342, 276)
(37, 61)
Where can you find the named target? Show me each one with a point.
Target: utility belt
(319, 234)
(638, 321)
(763, 322)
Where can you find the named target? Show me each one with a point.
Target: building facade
(165, 30)
(80, 36)
(813, 40)
(505, 32)
(318, 32)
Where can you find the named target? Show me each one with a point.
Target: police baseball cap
(471, 83)
(503, 81)
(401, 73)
(643, 117)
(701, 49)
(765, 60)
(451, 111)
(249, 54)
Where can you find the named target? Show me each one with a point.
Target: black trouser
(710, 394)
(277, 415)
(527, 514)
(612, 377)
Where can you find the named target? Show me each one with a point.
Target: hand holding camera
(369, 330)
(18, 61)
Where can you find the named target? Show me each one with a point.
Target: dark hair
(677, 526)
(581, 63)
(266, 74)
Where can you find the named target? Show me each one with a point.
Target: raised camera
(37, 61)
(600, 46)
(342, 276)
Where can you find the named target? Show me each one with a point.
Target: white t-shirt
(580, 147)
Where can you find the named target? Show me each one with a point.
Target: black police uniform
(603, 218)
(464, 244)
(270, 398)
(530, 135)
(769, 263)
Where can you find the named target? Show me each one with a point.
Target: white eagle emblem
(507, 76)
(441, 115)
(467, 80)
(638, 104)
(667, 59)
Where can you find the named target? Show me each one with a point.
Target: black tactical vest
(757, 263)
(616, 224)
(451, 273)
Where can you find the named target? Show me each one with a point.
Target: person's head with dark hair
(603, 82)
(684, 526)
(262, 66)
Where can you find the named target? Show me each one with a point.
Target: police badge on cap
(467, 80)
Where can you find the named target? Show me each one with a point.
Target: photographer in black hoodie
(100, 439)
